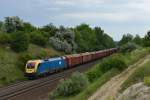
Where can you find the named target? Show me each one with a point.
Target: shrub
(5, 38)
(61, 45)
(128, 47)
(38, 38)
(42, 54)
(116, 61)
(22, 60)
(112, 62)
(76, 83)
(94, 73)
(147, 81)
(20, 42)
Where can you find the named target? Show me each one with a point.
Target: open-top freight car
(73, 60)
(44, 66)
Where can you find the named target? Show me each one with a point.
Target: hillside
(110, 89)
(12, 69)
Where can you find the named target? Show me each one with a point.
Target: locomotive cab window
(31, 65)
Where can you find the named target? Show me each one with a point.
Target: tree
(108, 41)
(1, 23)
(50, 29)
(64, 40)
(99, 38)
(5, 38)
(126, 38)
(38, 38)
(137, 40)
(147, 39)
(28, 27)
(12, 24)
(85, 38)
(20, 41)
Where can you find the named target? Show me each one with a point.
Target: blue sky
(116, 17)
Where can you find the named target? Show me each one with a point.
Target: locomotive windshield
(31, 65)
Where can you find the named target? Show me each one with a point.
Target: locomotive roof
(53, 59)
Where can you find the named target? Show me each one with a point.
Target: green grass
(35, 50)
(129, 58)
(9, 69)
(137, 76)
(96, 85)
(137, 54)
(147, 80)
(9, 72)
(93, 87)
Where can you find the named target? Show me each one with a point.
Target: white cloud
(119, 17)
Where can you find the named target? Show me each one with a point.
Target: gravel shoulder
(109, 90)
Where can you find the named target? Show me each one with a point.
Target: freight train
(36, 68)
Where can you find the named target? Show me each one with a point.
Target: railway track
(12, 91)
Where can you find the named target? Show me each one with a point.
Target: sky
(115, 17)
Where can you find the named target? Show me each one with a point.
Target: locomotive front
(31, 67)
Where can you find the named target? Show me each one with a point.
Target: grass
(137, 54)
(35, 50)
(147, 80)
(129, 58)
(93, 87)
(137, 76)
(96, 85)
(9, 69)
(9, 72)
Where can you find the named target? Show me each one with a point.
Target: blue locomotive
(41, 67)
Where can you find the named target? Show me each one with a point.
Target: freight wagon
(51, 65)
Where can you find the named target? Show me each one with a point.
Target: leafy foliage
(5, 38)
(20, 42)
(38, 38)
(126, 38)
(138, 40)
(50, 29)
(12, 24)
(147, 39)
(22, 60)
(113, 62)
(64, 40)
(27, 27)
(128, 47)
(89, 39)
(137, 76)
(76, 83)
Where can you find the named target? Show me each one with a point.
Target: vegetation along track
(109, 91)
(19, 88)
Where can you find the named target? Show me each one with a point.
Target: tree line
(18, 34)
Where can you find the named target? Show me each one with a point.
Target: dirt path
(109, 90)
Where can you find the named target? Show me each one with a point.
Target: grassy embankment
(10, 71)
(128, 58)
(140, 75)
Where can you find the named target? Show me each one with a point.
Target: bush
(76, 83)
(94, 73)
(106, 64)
(38, 38)
(112, 62)
(42, 54)
(128, 47)
(61, 45)
(22, 60)
(147, 81)
(20, 42)
(5, 38)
